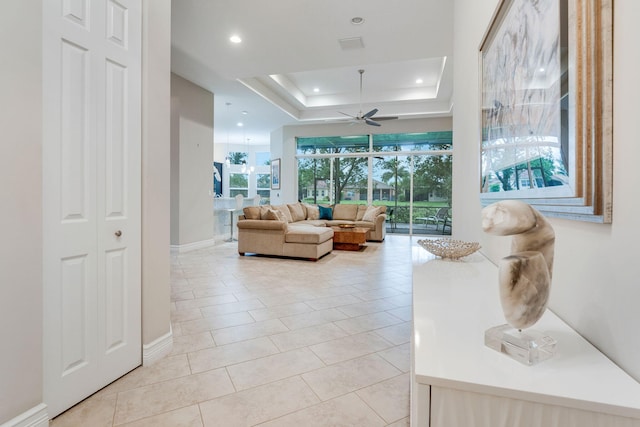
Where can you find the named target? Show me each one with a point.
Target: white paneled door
(91, 204)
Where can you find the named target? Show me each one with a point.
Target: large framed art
(546, 107)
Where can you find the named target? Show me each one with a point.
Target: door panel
(91, 172)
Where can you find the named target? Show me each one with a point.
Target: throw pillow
(297, 212)
(263, 211)
(361, 210)
(285, 211)
(251, 212)
(273, 215)
(312, 212)
(371, 213)
(325, 213)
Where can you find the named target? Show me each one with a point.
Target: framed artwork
(546, 107)
(275, 174)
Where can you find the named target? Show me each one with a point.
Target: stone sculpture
(525, 275)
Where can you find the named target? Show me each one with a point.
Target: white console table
(459, 382)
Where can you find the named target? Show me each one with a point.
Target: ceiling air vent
(351, 43)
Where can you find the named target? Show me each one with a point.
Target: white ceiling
(290, 47)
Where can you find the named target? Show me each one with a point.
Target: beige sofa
(301, 230)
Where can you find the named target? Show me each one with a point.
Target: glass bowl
(449, 248)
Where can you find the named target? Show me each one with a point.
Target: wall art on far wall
(546, 107)
(275, 174)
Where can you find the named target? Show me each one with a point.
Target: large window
(238, 184)
(409, 173)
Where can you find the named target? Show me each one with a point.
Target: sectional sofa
(302, 230)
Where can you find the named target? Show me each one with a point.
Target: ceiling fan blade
(370, 113)
(348, 115)
(371, 122)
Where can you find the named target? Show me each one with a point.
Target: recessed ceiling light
(240, 124)
(245, 112)
(419, 81)
(235, 39)
(357, 20)
(316, 89)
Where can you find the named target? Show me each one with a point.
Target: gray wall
(156, 109)
(21, 212)
(191, 162)
(595, 283)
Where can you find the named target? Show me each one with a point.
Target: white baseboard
(34, 417)
(178, 249)
(157, 349)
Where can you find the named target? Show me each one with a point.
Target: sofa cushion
(297, 212)
(344, 211)
(251, 212)
(325, 212)
(312, 212)
(310, 222)
(308, 235)
(285, 211)
(371, 213)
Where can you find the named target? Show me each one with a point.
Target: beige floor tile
(260, 404)
(376, 294)
(216, 322)
(345, 411)
(362, 308)
(231, 307)
(164, 369)
(249, 331)
(185, 315)
(313, 318)
(339, 350)
(348, 376)
(399, 356)
(205, 302)
(403, 313)
(94, 411)
(401, 423)
(390, 398)
(280, 311)
(332, 302)
(166, 396)
(183, 417)
(397, 334)
(273, 368)
(307, 336)
(402, 300)
(367, 322)
(230, 354)
(188, 343)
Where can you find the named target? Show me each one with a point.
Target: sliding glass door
(408, 173)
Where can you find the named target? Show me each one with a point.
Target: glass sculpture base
(526, 346)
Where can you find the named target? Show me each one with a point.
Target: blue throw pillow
(325, 213)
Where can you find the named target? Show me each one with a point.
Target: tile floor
(262, 341)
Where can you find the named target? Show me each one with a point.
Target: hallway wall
(21, 213)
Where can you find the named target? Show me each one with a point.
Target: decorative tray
(449, 248)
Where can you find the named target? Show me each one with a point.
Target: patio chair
(441, 216)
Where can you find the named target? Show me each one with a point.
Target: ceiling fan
(368, 117)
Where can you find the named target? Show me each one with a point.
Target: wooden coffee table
(349, 239)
